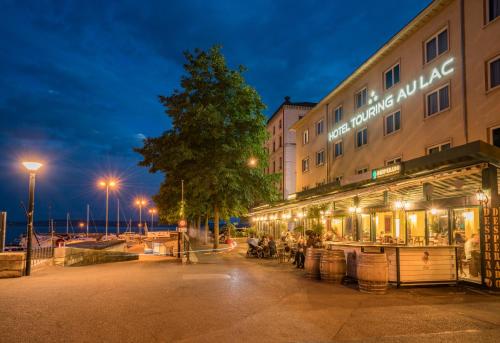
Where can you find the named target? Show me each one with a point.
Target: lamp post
(107, 184)
(152, 211)
(140, 202)
(32, 167)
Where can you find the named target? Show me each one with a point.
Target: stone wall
(67, 256)
(12, 264)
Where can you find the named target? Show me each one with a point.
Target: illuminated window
(338, 149)
(437, 101)
(495, 136)
(494, 72)
(361, 137)
(392, 123)
(360, 98)
(393, 161)
(320, 157)
(492, 10)
(438, 148)
(319, 127)
(305, 165)
(305, 137)
(337, 113)
(391, 76)
(436, 45)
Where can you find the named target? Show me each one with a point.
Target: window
(436, 45)
(320, 157)
(393, 161)
(437, 101)
(281, 142)
(361, 137)
(360, 98)
(494, 72)
(319, 127)
(274, 166)
(392, 123)
(279, 124)
(492, 10)
(274, 146)
(338, 179)
(362, 170)
(439, 147)
(338, 149)
(281, 163)
(305, 137)
(274, 130)
(495, 136)
(391, 76)
(337, 113)
(305, 165)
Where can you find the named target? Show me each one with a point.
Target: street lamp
(152, 211)
(140, 202)
(107, 184)
(252, 162)
(32, 167)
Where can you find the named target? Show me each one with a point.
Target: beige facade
(281, 143)
(464, 111)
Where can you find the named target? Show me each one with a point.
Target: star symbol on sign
(373, 98)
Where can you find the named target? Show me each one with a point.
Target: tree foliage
(217, 126)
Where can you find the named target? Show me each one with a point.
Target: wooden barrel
(311, 265)
(332, 265)
(372, 273)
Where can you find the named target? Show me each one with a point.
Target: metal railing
(41, 254)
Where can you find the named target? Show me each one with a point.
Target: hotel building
(403, 155)
(281, 143)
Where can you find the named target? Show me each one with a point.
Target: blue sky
(79, 80)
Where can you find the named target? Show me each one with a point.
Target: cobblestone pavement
(229, 298)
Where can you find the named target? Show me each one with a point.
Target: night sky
(79, 80)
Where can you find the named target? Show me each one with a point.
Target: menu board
(491, 217)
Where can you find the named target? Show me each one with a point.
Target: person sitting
(253, 241)
(272, 246)
(299, 255)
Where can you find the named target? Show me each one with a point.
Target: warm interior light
(434, 211)
(32, 166)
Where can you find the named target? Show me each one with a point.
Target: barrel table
(311, 265)
(373, 273)
(332, 265)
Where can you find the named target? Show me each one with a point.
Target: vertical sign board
(491, 217)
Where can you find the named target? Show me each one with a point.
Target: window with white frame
(305, 136)
(362, 170)
(436, 45)
(493, 66)
(338, 149)
(320, 157)
(495, 136)
(396, 160)
(438, 148)
(392, 122)
(391, 76)
(305, 164)
(320, 126)
(437, 101)
(492, 10)
(337, 114)
(361, 137)
(360, 98)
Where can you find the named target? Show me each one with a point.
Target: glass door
(467, 239)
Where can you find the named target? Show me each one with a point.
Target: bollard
(3, 230)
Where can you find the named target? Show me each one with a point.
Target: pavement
(226, 297)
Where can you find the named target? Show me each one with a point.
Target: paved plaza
(229, 298)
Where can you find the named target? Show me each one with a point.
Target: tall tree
(217, 128)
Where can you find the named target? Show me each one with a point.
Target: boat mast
(67, 223)
(117, 217)
(88, 211)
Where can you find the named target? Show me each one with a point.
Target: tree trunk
(216, 227)
(206, 228)
(198, 227)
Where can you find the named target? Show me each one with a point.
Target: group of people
(266, 244)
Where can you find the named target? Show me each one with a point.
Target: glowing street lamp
(32, 167)
(152, 211)
(252, 162)
(107, 184)
(140, 202)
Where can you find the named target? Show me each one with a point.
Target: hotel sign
(391, 170)
(390, 99)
